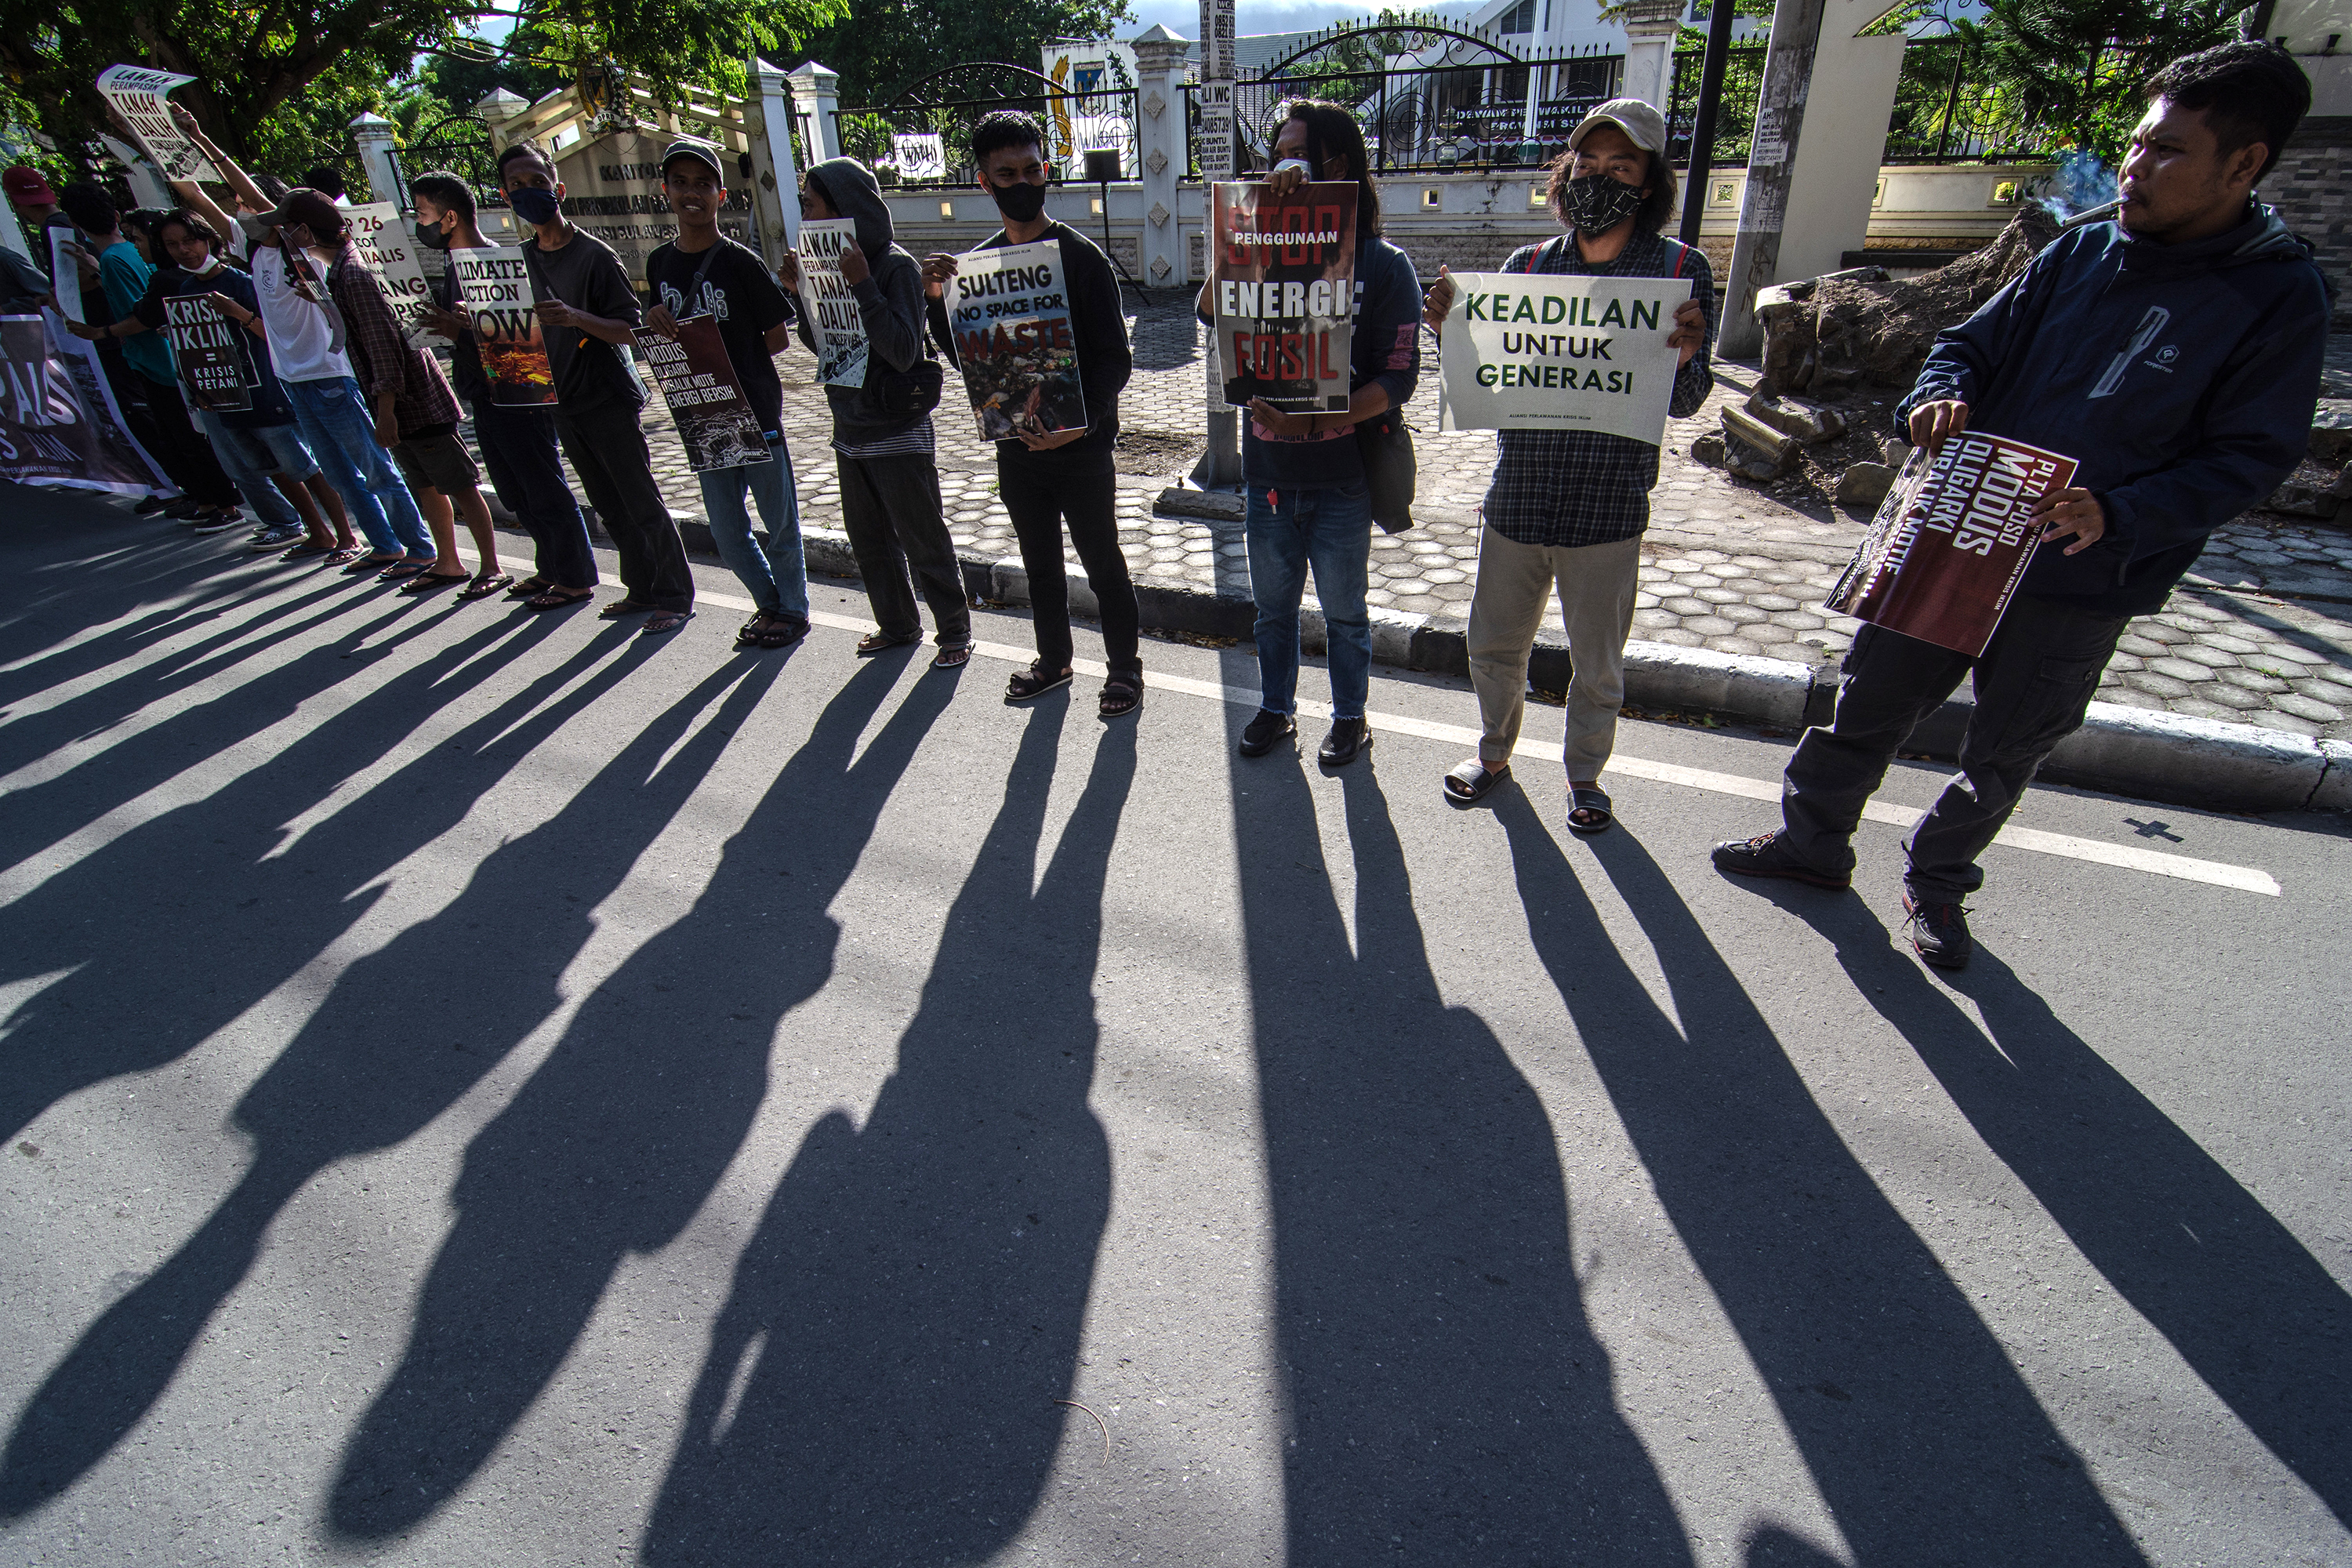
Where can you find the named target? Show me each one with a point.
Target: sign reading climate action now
(1945, 554)
(494, 289)
(1534, 351)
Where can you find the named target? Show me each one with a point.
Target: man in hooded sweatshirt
(2174, 352)
(889, 479)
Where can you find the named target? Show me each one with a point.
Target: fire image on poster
(1536, 352)
(839, 328)
(139, 94)
(59, 423)
(214, 366)
(494, 289)
(1011, 317)
(1286, 293)
(383, 241)
(706, 400)
(1951, 541)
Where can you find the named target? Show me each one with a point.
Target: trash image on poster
(839, 328)
(214, 366)
(714, 420)
(1284, 276)
(1945, 554)
(494, 291)
(1011, 315)
(1535, 352)
(139, 94)
(382, 236)
(59, 423)
(919, 155)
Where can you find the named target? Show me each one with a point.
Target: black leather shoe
(1766, 856)
(1939, 933)
(1265, 730)
(1348, 737)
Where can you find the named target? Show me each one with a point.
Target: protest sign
(494, 292)
(59, 423)
(705, 400)
(1010, 311)
(138, 95)
(1285, 276)
(840, 330)
(384, 239)
(214, 368)
(1945, 554)
(613, 190)
(919, 155)
(65, 274)
(1534, 351)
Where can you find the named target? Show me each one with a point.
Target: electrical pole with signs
(1222, 464)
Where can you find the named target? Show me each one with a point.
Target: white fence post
(374, 134)
(1160, 57)
(818, 88)
(775, 178)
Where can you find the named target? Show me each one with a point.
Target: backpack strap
(1682, 257)
(1536, 255)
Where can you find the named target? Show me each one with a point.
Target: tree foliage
(880, 45)
(2075, 66)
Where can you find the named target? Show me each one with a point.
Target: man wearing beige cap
(1567, 507)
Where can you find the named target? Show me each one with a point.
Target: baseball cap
(24, 183)
(311, 209)
(1642, 123)
(701, 152)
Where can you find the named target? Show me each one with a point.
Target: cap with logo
(702, 153)
(1641, 124)
(27, 185)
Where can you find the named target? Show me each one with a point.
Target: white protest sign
(65, 274)
(921, 155)
(1536, 352)
(138, 95)
(384, 240)
(833, 315)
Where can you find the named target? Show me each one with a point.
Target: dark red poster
(1286, 293)
(1945, 554)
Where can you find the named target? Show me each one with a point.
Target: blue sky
(1183, 17)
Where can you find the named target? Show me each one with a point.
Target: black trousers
(1042, 492)
(518, 450)
(890, 510)
(2033, 682)
(187, 457)
(607, 448)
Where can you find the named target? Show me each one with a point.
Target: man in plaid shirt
(1568, 507)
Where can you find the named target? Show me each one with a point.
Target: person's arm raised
(238, 180)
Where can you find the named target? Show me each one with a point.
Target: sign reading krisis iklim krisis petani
(1534, 351)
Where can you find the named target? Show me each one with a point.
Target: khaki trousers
(1596, 600)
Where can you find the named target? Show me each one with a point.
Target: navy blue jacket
(2183, 378)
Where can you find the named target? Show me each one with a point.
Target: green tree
(2075, 68)
(880, 45)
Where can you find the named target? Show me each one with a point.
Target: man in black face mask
(1568, 507)
(1045, 480)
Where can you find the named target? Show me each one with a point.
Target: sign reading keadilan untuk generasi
(1539, 352)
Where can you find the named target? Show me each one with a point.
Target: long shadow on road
(1448, 1400)
(2254, 1314)
(880, 1386)
(1923, 1441)
(620, 1135)
(366, 1071)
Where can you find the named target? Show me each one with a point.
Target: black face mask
(1595, 203)
(432, 236)
(1021, 203)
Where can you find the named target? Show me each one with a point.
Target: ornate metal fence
(922, 137)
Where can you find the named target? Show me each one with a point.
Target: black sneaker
(1939, 933)
(1766, 856)
(1348, 737)
(152, 504)
(219, 522)
(270, 539)
(1265, 730)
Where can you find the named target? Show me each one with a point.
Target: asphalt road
(488, 1089)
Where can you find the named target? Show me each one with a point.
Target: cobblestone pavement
(2260, 634)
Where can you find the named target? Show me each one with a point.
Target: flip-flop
(1588, 800)
(1470, 781)
(363, 564)
(306, 550)
(873, 643)
(484, 584)
(953, 657)
(623, 606)
(558, 599)
(664, 622)
(403, 572)
(430, 583)
(530, 587)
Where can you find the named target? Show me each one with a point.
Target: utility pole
(1771, 161)
(1222, 464)
(1710, 98)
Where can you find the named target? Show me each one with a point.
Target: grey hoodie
(890, 300)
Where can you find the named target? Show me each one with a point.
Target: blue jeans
(777, 575)
(340, 431)
(249, 454)
(1330, 528)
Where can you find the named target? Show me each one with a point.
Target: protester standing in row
(1567, 507)
(587, 314)
(890, 504)
(1045, 480)
(2174, 352)
(1308, 501)
(517, 441)
(704, 273)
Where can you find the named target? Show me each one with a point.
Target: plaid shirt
(382, 360)
(1583, 487)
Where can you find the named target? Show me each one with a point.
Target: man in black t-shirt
(517, 441)
(704, 273)
(588, 315)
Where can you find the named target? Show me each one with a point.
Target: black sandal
(1470, 782)
(431, 581)
(664, 622)
(623, 606)
(1028, 685)
(1592, 801)
(558, 598)
(1122, 694)
(873, 643)
(953, 655)
(485, 584)
(530, 588)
